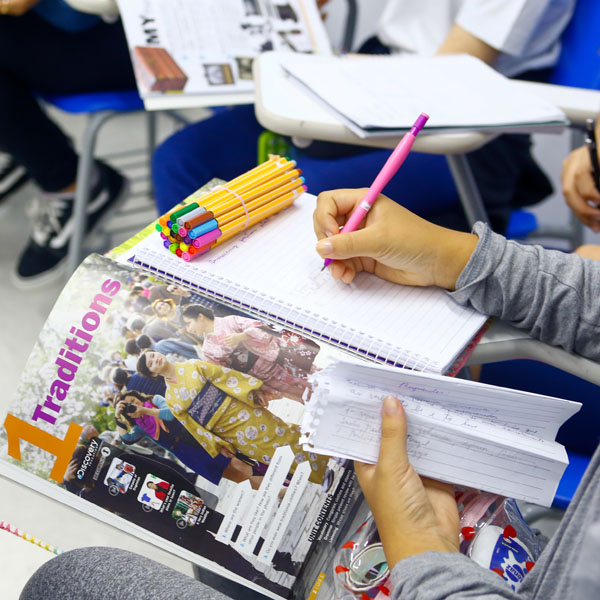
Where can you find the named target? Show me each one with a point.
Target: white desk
(281, 107)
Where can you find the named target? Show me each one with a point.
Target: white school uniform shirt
(526, 32)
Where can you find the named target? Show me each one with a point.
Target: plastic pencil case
(360, 568)
(494, 534)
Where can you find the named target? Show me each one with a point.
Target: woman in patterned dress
(220, 408)
(246, 345)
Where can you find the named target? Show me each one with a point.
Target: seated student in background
(520, 38)
(47, 47)
(550, 294)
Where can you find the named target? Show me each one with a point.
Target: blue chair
(578, 463)
(99, 108)
(578, 66)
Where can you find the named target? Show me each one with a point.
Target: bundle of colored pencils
(194, 227)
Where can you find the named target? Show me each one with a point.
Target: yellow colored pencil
(223, 196)
(233, 228)
(266, 192)
(257, 203)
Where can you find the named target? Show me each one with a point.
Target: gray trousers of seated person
(100, 573)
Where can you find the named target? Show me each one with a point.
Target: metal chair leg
(83, 187)
(468, 193)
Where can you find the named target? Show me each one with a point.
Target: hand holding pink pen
(392, 164)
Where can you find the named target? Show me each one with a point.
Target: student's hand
(119, 409)
(16, 8)
(591, 251)
(71, 470)
(226, 452)
(412, 514)
(392, 243)
(579, 189)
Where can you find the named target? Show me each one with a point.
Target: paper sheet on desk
(472, 434)
(383, 95)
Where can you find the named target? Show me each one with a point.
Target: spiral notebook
(273, 271)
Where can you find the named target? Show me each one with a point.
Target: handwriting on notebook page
(456, 429)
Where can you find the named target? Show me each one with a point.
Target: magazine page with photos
(177, 419)
(200, 52)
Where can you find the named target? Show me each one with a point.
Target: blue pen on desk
(389, 169)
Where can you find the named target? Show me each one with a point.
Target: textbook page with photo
(176, 418)
(194, 53)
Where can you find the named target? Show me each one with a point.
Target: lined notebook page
(494, 439)
(274, 268)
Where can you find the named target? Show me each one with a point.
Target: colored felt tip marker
(190, 215)
(202, 229)
(389, 169)
(183, 211)
(207, 238)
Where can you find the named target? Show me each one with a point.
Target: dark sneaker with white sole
(45, 257)
(12, 176)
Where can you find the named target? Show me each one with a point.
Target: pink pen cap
(419, 123)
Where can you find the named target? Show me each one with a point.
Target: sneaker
(12, 176)
(44, 258)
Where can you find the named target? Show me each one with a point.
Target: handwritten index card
(472, 434)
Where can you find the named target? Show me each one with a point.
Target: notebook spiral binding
(263, 305)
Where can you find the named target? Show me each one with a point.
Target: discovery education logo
(88, 458)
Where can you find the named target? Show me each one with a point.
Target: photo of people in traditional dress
(177, 392)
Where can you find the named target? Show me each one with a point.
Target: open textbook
(380, 95)
(207, 463)
(476, 435)
(192, 53)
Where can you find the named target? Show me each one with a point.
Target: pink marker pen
(389, 169)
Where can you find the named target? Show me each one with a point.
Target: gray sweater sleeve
(553, 296)
(447, 576)
(550, 294)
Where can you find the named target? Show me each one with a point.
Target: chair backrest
(579, 61)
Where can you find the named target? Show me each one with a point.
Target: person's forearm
(550, 294)
(460, 41)
(153, 412)
(454, 250)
